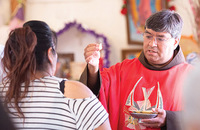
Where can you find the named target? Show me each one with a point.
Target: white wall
(4, 19)
(103, 16)
(183, 7)
(5, 12)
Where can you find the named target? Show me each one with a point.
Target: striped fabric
(45, 107)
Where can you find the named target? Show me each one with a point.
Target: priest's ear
(176, 42)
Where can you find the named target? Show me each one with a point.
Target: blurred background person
(191, 96)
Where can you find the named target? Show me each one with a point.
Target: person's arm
(104, 126)
(77, 90)
(91, 75)
(93, 86)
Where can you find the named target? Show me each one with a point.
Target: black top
(62, 86)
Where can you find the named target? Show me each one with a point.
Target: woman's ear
(50, 55)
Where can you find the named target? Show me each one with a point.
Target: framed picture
(130, 53)
(137, 13)
(189, 45)
(76, 69)
(63, 65)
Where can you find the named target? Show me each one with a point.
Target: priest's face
(158, 47)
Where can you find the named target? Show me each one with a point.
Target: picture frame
(63, 65)
(137, 13)
(130, 53)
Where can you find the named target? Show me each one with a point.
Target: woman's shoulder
(76, 90)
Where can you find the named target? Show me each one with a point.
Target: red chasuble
(130, 86)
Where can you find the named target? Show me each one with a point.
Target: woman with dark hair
(32, 95)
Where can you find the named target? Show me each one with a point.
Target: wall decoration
(130, 53)
(17, 13)
(137, 13)
(82, 33)
(124, 8)
(72, 39)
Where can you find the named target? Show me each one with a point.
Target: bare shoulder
(75, 89)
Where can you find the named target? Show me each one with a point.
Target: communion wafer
(100, 46)
(145, 112)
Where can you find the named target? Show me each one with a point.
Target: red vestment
(130, 86)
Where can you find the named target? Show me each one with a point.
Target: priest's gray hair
(165, 21)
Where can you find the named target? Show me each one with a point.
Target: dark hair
(19, 63)
(26, 51)
(165, 21)
(46, 38)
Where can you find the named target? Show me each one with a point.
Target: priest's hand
(92, 55)
(156, 122)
